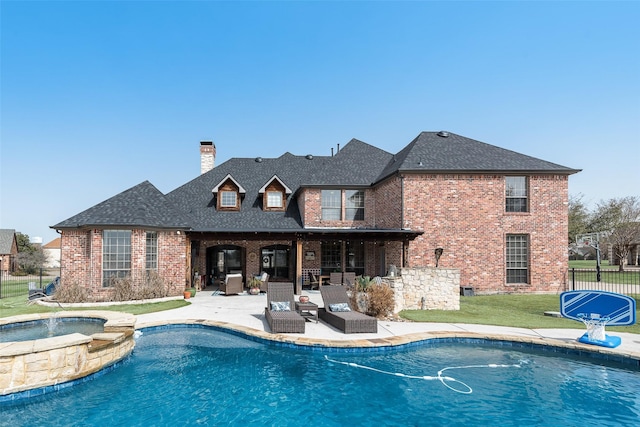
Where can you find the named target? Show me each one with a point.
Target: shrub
(70, 293)
(381, 301)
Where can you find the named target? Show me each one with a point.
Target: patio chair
(232, 284)
(349, 279)
(264, 281)
(313, 281)
(335, 278)
(281, 311)
(338, 312)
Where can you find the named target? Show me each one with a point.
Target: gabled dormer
(228, 194)
(274, 195)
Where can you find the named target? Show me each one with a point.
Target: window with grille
(331, 204)
(228, 199)
(354, 205)
(274, 199)
(517, 248)
(116, 255)
(516, 194)
(152, 250)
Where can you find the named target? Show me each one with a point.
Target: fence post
(573, 279)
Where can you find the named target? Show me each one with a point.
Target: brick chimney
(207, 156)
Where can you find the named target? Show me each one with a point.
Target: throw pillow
(280, 306)
(343, 306)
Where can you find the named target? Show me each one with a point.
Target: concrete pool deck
(245, 313)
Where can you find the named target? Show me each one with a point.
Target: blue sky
(97, 97)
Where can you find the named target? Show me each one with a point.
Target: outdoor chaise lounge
(232, 284)
(281, 311)
(349, 321)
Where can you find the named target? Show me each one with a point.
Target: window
(517, 258)
(274, 199)
(516, 194)
(331, 254)
(228, 199)
(331, 205)
(152, 251)
(354, 205)
(116, 255)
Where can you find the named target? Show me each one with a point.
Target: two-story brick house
(499, 216)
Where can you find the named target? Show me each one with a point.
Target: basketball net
(595, 326)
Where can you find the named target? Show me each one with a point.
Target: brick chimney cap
(206, 142)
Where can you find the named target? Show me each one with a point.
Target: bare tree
(621, 216)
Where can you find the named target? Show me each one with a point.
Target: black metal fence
(15, 286)
(621, 282)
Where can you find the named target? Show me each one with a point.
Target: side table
(308, 310)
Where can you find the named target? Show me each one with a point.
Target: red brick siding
(310, 206)
(465, 215)
(81, 260)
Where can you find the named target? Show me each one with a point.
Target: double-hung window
(332, 205)
(116, 255)
(516, 194)
(354, 205)
(517, 248)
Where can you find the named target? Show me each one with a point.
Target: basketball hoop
(595, 326)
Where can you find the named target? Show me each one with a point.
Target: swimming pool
(202, 376)
(51, 327)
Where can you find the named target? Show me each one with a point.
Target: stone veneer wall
(440, 288)
(27, 365)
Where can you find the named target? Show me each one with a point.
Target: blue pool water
(53, 327)
(197, 376)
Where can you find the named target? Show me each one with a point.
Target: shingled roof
(143, 205)
(446, 152)
(357, 165)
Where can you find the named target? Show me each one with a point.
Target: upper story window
(228, 199)
(274, 199)
(516, 194)
(274, 194)
(354, 205)
(331, 205)
(228, 192)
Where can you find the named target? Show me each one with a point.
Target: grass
(590, 263)
(521, 311)
(20, 305)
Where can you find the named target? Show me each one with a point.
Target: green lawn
(590, 263)
(523, 311)
(19, 305)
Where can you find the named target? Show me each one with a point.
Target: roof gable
(241, 189)
(143, 206)
(7, 237)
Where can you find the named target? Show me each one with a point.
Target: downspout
(404, 242)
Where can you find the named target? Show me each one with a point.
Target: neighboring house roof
(142, 205)
(7, 237)
(54, 244)
(357, 165)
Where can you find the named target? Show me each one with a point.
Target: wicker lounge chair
(232, 284)
(347, 321)
(282, 321)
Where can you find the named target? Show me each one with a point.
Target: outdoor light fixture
(438, 253)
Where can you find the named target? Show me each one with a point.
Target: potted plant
(192, 291)
(254, 285)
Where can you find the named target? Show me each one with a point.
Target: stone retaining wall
(426, 288)
(26, 365)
